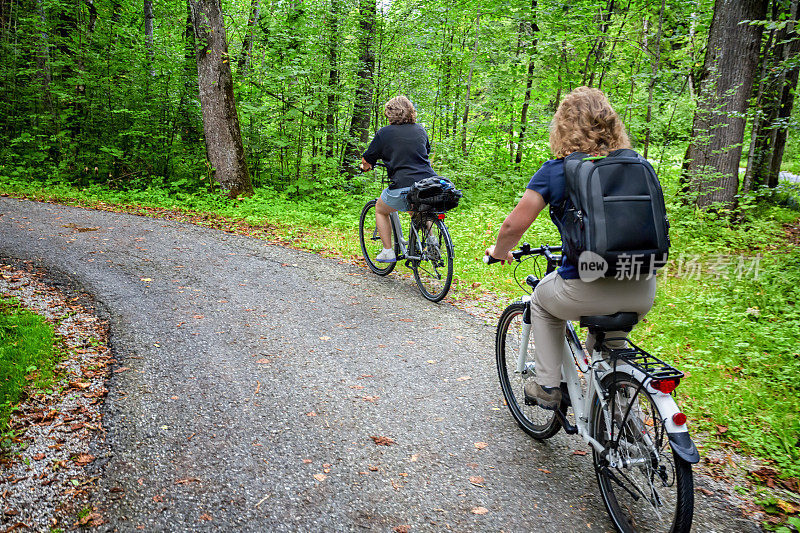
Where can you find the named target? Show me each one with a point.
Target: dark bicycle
(428, 252)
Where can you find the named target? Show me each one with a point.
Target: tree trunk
(533, 28)
(359, 122)
(769, 103)
(247, 43)
(469, 85)
(148, 35)
(220, 122)
(653, 72)
(725, 86)
(333, 79)
(787, 99)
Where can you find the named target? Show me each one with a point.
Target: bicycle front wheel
(371, 241)
(433, 271)
(646, 487)
(535, 421)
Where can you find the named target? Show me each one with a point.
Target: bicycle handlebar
(545, 250)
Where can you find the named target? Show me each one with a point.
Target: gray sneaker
(434, 254)
(545, 397)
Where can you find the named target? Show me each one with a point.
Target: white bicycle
(617, 400)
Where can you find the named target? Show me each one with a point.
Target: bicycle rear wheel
(433, 272)
(649, 488)
(370, 241)
(535, 421)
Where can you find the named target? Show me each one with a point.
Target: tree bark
(220, 122)
(359, 122)
(533, 28)
(247, 43)
(469, 85)
(725, 86)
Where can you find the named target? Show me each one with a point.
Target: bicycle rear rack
(650, 365)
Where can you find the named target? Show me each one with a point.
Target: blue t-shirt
(549, 181)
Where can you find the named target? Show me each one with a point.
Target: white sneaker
(386, 256)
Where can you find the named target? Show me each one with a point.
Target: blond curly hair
(400, 110)
(586, 122)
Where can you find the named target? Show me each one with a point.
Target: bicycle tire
(436, 252)
(654, 510)
(370, 241)
(535, 421)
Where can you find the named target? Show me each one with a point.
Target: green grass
(735, 336)
(27, 354)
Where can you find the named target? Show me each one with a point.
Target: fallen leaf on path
(78, 385)
(546, 471)
(383, 441)
(481, 445)
(371, 398)
(198, 316)
(704, 491)
(579, 452)
(722, 429)
(311, 413)
(146, 279)
(402, 529)
(187, 480)
(320, 477)
(479, 510)
(476, 480)
(38, 457)
(263, 361)
(306, 461)
(83, 459)
(205, 516)
(463, 378)
(324, 338)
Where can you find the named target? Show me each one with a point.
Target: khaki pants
(557, 300)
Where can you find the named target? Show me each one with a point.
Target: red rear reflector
(679, 419)
(665, 385)
(440, 216)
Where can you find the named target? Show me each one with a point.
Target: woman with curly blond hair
(584, 122)
(404, 147)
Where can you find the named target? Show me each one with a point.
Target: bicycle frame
(402, 243)
(575, 364)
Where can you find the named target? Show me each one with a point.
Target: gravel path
(251, 379)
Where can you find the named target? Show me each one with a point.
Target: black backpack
(433, 194)
(613, 207)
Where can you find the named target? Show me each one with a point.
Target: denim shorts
(396, 198)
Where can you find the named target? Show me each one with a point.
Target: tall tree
(148, 35)
(532, 30)
(359, 122)
(726, 81)
(220, 121)
(653, 72)
(469, 84)
(333, 79)
(247, 43)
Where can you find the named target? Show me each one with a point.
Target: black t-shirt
(404, 148)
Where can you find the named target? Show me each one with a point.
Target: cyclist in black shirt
(404, 147)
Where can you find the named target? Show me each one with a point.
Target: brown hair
(586, 122)
(400, 110)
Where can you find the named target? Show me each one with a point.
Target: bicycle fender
(683, 445)
(679, 438)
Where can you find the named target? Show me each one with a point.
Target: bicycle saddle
(616, 322)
